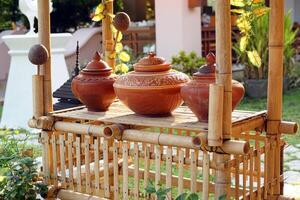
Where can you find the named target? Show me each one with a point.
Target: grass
(291, 110)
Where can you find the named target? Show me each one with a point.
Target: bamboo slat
(266, 186)
(54, 159)
(146, 165)
(106, 169)
(193, 172)
(78, 164)
(62, 159)
(125, 170)
(116, 170)
(169, 170)
(136, 171)
(215, 116)
(251, 174)
(180, 171)
(45, 153)
(205, 171)
(237, 177)
(38, 96)
(259, 172)
(87, 164)
(97, 168)
(157, 165)
(245, 168)
(70, 161)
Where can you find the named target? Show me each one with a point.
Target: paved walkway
(292, 171)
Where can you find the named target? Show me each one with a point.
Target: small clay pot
(196, 93)
(152, 89)
(94, 85)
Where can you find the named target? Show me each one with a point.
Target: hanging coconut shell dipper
(94, 85)
(152, 89)
(195, 94)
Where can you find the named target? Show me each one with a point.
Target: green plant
(252, 45)
(18, 174)
(21, 181)
(187, 63)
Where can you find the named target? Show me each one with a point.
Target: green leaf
(181, 196)
(254, 58)
(98, 17)
(238, 11)
(119, 47)
(119, 36)
(124, 56)
(123, 68)
(113, 29)
(238, 3)
(193, 196)
(223, 197)
(243, 43)
(100, 8)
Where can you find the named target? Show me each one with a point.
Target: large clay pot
(196, 93)
(152, 89)
(94, 85)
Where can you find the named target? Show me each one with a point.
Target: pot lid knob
(97, 65)
(152, 63)
(209, 68)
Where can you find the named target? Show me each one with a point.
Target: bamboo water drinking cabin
(113, 154)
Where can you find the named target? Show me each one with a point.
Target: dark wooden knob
(38, 54)
(121, 21)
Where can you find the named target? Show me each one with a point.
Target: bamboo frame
(58, 156)
(107, 35)
(44, 38)
(215, 117)
(224, 77)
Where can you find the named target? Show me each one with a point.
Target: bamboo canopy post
(224, 77)
(275, 78)
(44, 38)
(107, 35)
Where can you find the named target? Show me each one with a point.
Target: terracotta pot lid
(152, 63)
(97, 66)
(209, 68)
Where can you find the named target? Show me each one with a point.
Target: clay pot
(94, 85)
(196, 93)
(152, 89)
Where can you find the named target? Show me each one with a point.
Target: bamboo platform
(182, 118)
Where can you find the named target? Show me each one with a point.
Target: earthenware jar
(153, 88)
(94, 85)
(195, 94)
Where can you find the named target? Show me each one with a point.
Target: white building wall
(177, 28)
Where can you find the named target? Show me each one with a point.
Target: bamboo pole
(116, 170)
(107, 35)
(38, 96)
(224, 77)
(275, 79)
(205, 188)
(44, 38)
(215, 117)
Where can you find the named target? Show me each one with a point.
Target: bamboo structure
(114, 154)
(224, 77)
(215, 122)
(44, 38)
(107, 35)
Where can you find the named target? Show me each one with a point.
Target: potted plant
(187, 63)
(252, 46)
